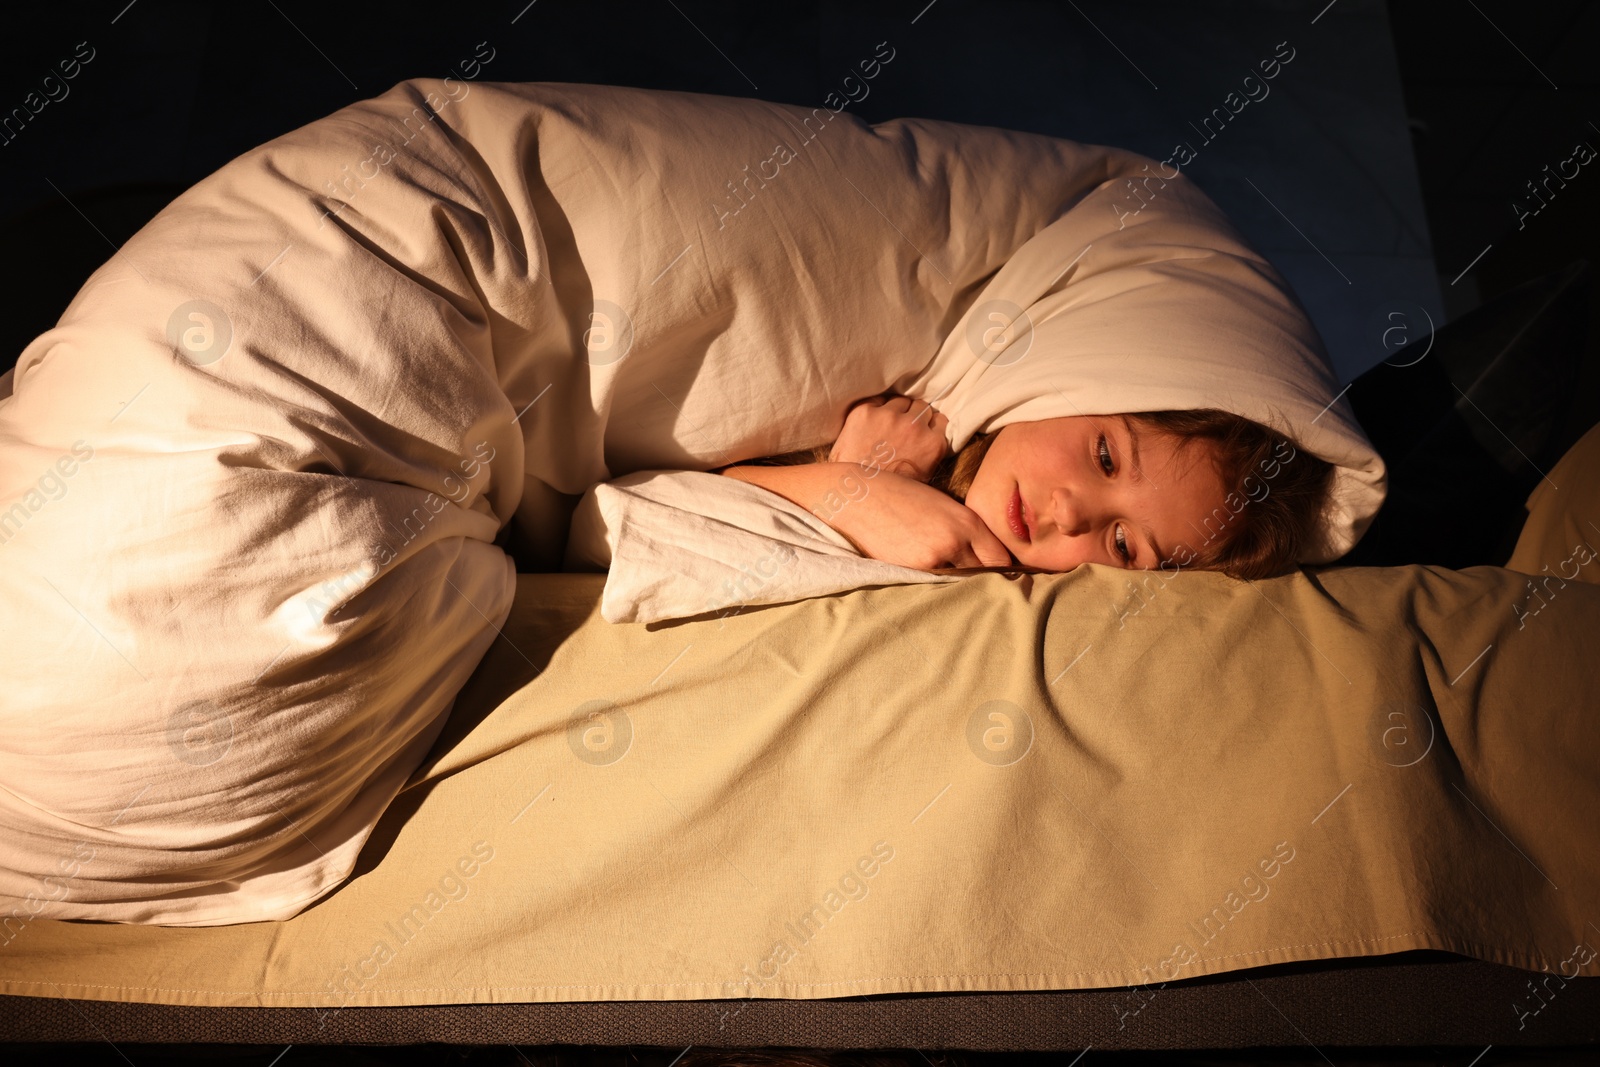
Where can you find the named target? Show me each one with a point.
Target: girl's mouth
(1015, 515)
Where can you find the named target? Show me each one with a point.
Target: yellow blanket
(1002, 783)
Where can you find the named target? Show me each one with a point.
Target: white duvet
(256, 484)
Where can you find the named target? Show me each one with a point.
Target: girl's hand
(897, 519)
(913, 430)
(884, 515)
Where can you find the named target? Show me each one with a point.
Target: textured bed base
(1421, 999)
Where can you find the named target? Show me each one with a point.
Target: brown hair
(1260, 537)
(1255, 536)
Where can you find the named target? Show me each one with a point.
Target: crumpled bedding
(258, 483)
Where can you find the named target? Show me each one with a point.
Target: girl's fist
(913, 431)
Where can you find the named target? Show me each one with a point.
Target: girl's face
(1094, 489)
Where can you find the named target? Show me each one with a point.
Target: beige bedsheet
(1000, 783)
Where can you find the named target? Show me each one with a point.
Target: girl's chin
(1003, 535)
(979, 504)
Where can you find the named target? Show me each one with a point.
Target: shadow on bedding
(547, 610)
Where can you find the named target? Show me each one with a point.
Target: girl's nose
(1070, 513)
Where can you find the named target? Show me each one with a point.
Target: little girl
(1202, 489)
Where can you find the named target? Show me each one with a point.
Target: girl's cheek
(1060, 558)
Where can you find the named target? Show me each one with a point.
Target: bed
(1368, 761)
(584, 884)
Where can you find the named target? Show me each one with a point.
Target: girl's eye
(1103, 453)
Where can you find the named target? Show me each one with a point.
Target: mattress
(1414, 999)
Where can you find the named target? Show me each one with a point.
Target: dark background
(1486, 92)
